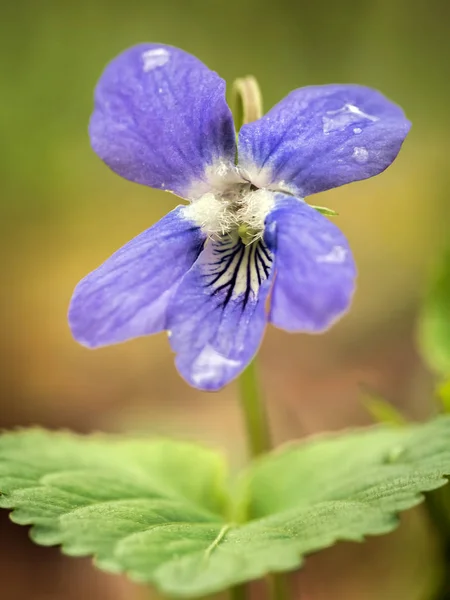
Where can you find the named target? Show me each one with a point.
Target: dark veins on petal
(238, 270)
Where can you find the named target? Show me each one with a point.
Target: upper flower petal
(127, 295)
(217, 316)
(321, 137)
(161, 119)
(315, 271)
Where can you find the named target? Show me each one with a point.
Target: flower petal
(315, 271)
(127, 295)
(217, 316)
(321, 137)
(161, 119)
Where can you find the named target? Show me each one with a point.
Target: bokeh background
(63, 212)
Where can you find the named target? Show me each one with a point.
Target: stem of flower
(278, 586)
(246, 104)
(246, 101)
(256, 425)
(237, 593)
(258, 441)
(438, 503)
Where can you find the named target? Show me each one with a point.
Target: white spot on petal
(357, 130)
(157, 57)
(361, 155)
(338, 120)
(337, 255)
(211, 365)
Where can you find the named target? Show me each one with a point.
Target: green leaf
(381, 410)
(381, 468)
(443, 395)
(329, 212)
(434, 321)
(159, 510)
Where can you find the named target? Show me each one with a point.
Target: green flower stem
(258, 441)
(239, 592)
(247, 106)
(256, 426)
(438, 505)
(246, 101)
(278, 586)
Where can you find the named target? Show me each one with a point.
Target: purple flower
(205, 271)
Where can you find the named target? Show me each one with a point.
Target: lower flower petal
(127, 296)
(315, 271)
(217, 316)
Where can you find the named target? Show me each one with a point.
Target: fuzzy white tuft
(238, 208)
(219, 177)
(210, 213)
(253, 210)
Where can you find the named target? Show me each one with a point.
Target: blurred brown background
(63, 213)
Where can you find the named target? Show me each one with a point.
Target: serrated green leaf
(383, 467)
(157, 510)
(434, 320)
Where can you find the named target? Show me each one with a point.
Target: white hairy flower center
(240, 208)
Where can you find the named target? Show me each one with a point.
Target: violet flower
(205, 271)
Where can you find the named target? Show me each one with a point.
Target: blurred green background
(64, 212)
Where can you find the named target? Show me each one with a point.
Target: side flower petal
(321, 137)
(217, 316)
(127, 296)
(161, 119)
(315, 271)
